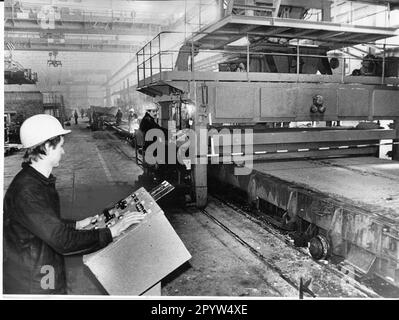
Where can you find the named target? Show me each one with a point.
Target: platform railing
(295, 58)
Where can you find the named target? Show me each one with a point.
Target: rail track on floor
(284, 239)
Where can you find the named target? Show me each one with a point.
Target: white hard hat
(39, 128)
(152, 106)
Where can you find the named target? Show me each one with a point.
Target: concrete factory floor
(98, 169)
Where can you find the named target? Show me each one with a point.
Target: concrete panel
(353, 102)
(273, 102)
(385, 103)
(236, 102)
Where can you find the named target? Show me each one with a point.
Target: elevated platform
(326, 34)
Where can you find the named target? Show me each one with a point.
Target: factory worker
(133, 121)
(149, 122)
(35, 237)
(118, 117)
(76, 116)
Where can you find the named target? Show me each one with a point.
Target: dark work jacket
(148, 123)
(35, 238)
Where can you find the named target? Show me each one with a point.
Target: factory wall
(26, 100)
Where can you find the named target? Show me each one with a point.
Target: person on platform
(35, 237)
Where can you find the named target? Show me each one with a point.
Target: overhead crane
(326, 182)
(58, 26)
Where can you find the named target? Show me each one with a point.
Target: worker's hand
(86, 222)
(125, 222)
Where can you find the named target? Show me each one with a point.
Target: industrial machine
(140, 201)
(137, 261)
(11, 132)
(279, 113)
(15, 73)
(100, 116)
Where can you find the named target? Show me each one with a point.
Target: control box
(145, 253)
(141, 201)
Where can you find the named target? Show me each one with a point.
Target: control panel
(141, 201)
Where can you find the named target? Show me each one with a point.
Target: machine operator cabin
(213, 148)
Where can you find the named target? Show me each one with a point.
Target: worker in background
(118, 117)
(146, 124)
(35, 237)
(76, 116)
(90, 115)
(133, 121)
(149, 122)
(82, 113)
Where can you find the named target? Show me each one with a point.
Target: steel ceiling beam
(38, 44)
(83, 28)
